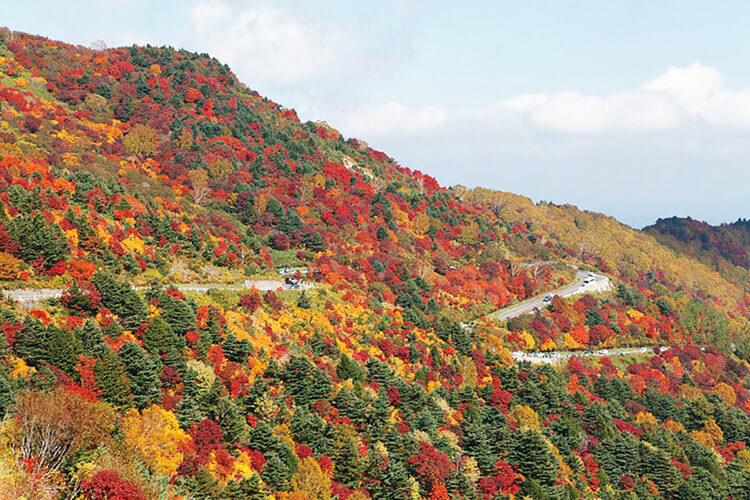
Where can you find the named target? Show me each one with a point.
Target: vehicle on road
(548, 298)
(589, 279)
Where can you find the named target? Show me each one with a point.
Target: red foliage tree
(432, 466)
(107, 484)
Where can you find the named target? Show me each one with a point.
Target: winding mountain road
(553, 357)
(585, 282)
(28, 297)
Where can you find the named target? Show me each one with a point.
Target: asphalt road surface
(552, 357)
(598, 284)
(27, 297)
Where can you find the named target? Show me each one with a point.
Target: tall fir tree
(532, 456)
(143, 372)
(158, 337)
(111, 378)
(178, 314)
(276, 473)
(33, 341)
(90, 337)
(189, 409)
(63, 349)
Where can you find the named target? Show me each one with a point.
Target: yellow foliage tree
(468, 371)
(96, 103)
(703, 438)
(311, 481)
(673, 426)
(141, 141)
(199, 181)
(9, 266)
(421, 223)
(220, 169)
(157, 436)
(711, 428)
(528, 340)
(525, 417)
(185, 140)
(647, 420)
(726, 393)
(743, 458)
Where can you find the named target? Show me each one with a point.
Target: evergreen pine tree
(178, 314)
(660, 469)
(306, 426)
(230, 419)
(143, 372)
(213, 325)
(276, 473)
(158, 337)
(6, 395)
(348, 369)
(533, 458)
(32, 342)
(289, 223)
(394, 482)
(477, 445)
(188, 409)
(63, 349)
(303, 301)
(305, 382)
(247, 489)
(377, 416)
(90, 337)
(36, 238)
(110, 377)
(236, 350)
(349, 465)
(314, 242)
(176, 360)
(122, 300)
(261, 438)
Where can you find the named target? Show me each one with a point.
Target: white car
(589, 279)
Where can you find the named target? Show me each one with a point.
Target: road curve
(600, 283)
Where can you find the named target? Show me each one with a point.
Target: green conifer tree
(143, 372)
(189, 409)
(276, 473)
(178, 314)
(63, 349)
(158, 337)
(32, 342)
(534, 459)
(111, 378)
(90, 337)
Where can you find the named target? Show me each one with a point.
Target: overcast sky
(638, 109)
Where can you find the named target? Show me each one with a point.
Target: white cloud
(693, 98)
(267, 45)
(690, 86)
(690, 96)
(578, 113)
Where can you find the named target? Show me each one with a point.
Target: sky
(639, 109)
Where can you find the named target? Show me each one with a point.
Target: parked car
(547, 298)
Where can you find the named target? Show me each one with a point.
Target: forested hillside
(126, 174)
(725, 248)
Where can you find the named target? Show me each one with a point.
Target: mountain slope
(725, 247)
(125, 171)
